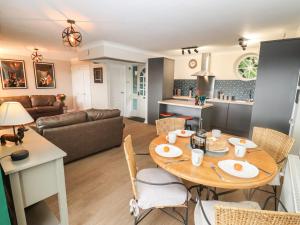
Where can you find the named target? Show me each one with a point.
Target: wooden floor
(98, 187)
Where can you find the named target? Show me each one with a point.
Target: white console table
(36, 178)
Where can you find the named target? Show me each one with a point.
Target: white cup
(216, 133)
(239, 151)
(171, 137)
(197, 157)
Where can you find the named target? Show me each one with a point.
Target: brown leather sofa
(83, 133)
(37, 105)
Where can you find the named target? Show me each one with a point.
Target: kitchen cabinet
(239, 119)
(219, 115)
(160, 84)
(231, 118)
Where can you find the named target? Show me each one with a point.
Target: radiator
(290, 194)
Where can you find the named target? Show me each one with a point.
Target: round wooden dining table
(182, 166)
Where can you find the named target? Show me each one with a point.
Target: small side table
(36, 178)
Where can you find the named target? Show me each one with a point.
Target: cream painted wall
(62, 74)
(105, 49)
(222, 64)
(99, 91)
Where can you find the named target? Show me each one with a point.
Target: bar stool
(187, 118)
(166, 115)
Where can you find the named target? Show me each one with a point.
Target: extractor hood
(205, 65)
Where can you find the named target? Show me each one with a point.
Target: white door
(117, 78)
(138, 91)
(81, 87)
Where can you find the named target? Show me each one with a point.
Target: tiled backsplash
(238, 88)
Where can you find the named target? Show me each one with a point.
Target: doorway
(81, 91)
(117, 79)
(138, 92)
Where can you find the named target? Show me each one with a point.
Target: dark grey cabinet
(160, 84)
(231, 118)
(239, 119)
(219, 115)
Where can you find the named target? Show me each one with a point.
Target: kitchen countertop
(189, 104)
(240, 102)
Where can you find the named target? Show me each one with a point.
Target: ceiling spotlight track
(243, 42)
(70, 36)
(36, 56)
(188, 49)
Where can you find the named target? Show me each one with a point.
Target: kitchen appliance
(205, 79)
(277, 85)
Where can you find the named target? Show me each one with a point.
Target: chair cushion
(209, 209)
(100, 114)
(42, 100)
(150, 196)
(24, 100)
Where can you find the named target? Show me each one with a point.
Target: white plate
(219, 151)
(248, 144)
(173, 152)
(248, 171)
(187, 133)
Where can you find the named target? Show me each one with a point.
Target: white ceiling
(156, 25)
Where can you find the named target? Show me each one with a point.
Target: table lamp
(14, 114)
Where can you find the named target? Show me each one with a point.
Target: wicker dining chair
(234, 216)
(154, 188)
(278, 145)
(164, 126)
(241, 213)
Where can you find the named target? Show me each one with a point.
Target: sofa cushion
(43, 109)
(24, 100)
(42, 100)
(60, 120)
(100, 114)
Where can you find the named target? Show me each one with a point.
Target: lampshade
(13, 114)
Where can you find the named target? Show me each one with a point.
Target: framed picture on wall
(13, 75)
(44, 75)
(98, 75)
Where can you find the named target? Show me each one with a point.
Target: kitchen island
(188, 108)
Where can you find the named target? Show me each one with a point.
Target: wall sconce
(36, 56)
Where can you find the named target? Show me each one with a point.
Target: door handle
(122, 92)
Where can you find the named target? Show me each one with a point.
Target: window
(246, 66)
